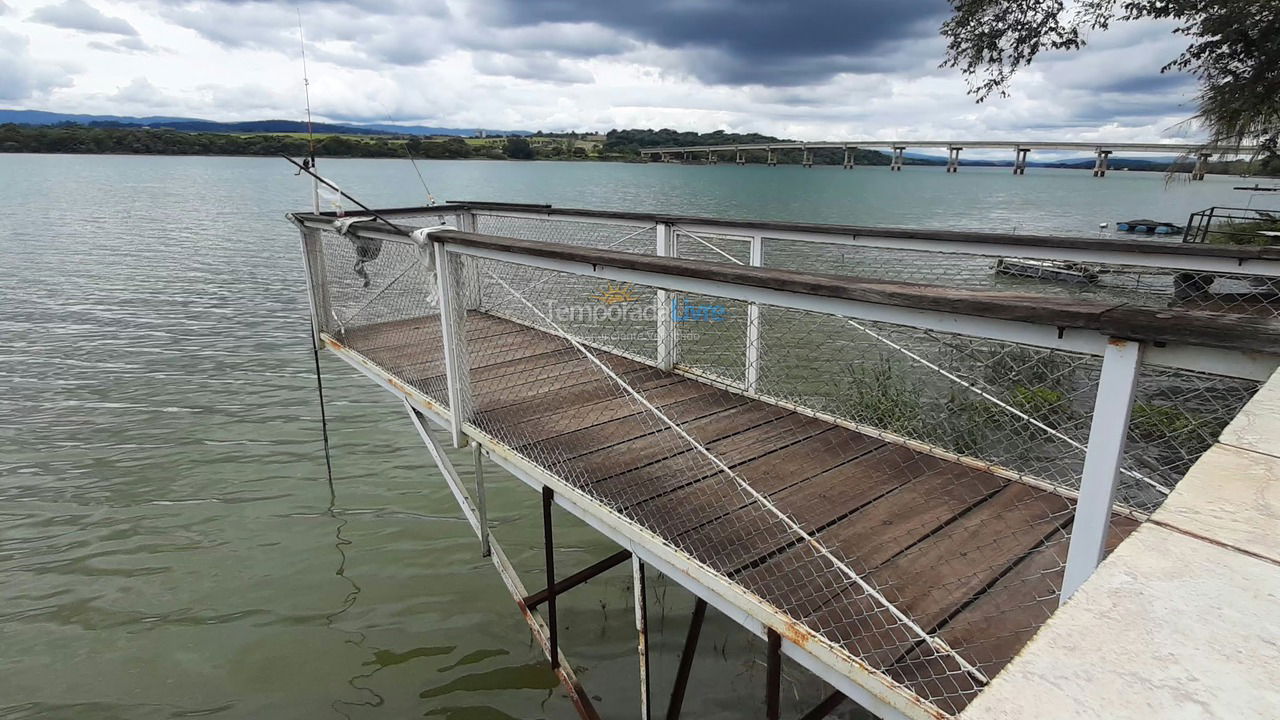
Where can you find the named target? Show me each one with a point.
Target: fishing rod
(341, 192)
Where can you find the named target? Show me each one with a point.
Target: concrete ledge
(1230, 496)
(1169, 627)
(1257, 427)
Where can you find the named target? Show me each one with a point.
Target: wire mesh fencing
(906, 493)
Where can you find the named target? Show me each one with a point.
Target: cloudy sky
(808, 69)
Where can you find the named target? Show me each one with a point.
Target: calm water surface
(168, 544)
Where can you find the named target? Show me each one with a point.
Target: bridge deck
(973, 558)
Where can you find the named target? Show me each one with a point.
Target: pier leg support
(773, 158)
(848, 158)
(896, 164)
(549, 555)
(1102, 462)
(642, 632)
(953, 159)
(740, 159)
(483, 514)
(773, 676)
(711, 157)
(686, 660)
(1100, 163)
(808, 158)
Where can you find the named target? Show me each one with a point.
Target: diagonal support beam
(826, 707)
(686, 660)
(577, 578)
(541, 632)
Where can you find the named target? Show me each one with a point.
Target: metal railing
(1070, 415)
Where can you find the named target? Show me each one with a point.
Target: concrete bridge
(1021, 149)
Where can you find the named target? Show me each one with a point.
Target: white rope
(981, 393)
(936, 643)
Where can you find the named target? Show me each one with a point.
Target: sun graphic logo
(614, 294)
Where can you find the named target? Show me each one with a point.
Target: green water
(168, 544)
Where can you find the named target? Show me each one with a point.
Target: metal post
(773, 676)
(642, 631)
(480, 500)
(549, 554)
(666, 323)
(686, 659)
(453, 335)
(1107, 435)
(752, 374)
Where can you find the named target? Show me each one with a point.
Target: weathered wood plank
(642, 425)
(657, 483)
(931, 580)
(994, 627)
(920, 494)
(660, 390)
(729, 419)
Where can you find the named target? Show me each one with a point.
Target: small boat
(1048, 270)
(1148, 226)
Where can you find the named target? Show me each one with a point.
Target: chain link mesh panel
(907, 494)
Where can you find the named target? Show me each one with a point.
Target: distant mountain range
(185, 124)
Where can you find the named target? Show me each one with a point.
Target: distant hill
(186, 124)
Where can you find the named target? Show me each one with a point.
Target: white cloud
(23, 77)
(80, 15)
(477, 63)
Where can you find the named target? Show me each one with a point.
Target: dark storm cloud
(80, 15)
(774, 42)
(1170, 83)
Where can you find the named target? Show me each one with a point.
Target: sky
(803, 69)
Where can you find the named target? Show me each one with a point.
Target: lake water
(168, 544)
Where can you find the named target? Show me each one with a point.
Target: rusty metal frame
(542, 631)
(576, 579)
(686, 659)
(846, 673)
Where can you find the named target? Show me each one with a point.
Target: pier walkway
(895, 484)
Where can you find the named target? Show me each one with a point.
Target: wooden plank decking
(971, 557)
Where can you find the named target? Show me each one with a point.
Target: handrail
(1190, 327)
(1235, 252)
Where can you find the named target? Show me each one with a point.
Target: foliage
(71, 138)
(1232, 51)
(517, 148)
(1237, 232)
(1154, 423)
(885, 398)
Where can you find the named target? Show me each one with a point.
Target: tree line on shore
(617, 145)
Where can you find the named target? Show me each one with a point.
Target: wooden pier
(904, 573)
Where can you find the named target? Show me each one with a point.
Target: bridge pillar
(848, 158)
(1100, 164)
(711, 157)
(896, 164)
(1020, 161)
(1199, 172)
(741, 159)
(953, 158)
(773, 157)
(807, 161)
